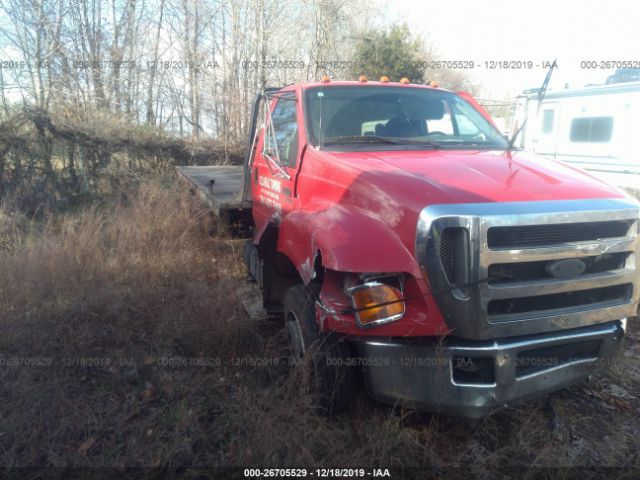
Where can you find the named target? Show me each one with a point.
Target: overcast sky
(534, 30)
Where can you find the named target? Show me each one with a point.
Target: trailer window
(591, 129)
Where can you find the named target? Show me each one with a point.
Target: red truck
(404, 241)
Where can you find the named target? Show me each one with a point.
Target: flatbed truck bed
(219, 186)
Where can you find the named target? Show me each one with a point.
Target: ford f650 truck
(403, 240)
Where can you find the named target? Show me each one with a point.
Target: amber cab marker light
(432, 83)
(325, 78)
(376, 303)
(384, 79)
(362, 78)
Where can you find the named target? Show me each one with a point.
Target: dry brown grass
(96, 301)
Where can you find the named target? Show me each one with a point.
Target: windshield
(369, 117)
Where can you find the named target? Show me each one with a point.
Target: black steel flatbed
(219, 186)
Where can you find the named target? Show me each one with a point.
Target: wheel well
(278, 271)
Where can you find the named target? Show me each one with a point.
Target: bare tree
(198, 63)
(150, 117)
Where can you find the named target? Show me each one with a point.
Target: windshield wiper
(361, 139)
(379, 139)
(473, 144)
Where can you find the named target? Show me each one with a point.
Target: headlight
(376, 303)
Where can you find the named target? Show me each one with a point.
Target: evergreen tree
(394, 53)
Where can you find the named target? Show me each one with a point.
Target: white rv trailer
(596, 128)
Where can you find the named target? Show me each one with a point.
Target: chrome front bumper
(470, 378)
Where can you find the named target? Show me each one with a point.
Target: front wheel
(323, 357)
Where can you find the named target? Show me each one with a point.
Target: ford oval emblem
(569, 268)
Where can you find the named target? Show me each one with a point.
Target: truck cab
(404, 241)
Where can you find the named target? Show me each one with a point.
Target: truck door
(546, 136)
(274, 169)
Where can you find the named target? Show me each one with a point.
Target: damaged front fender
(347, 239)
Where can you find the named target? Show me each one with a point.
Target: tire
(328, 379)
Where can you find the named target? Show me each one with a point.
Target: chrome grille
(556, 302)
(510, 289)
(454, 255)
(447, 254)
(505, 273)
(529, 236)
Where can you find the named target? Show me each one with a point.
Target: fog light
(376, 303)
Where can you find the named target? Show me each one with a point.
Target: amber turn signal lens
(377, 303)
(404, 81)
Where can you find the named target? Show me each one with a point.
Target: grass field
(124, 344)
